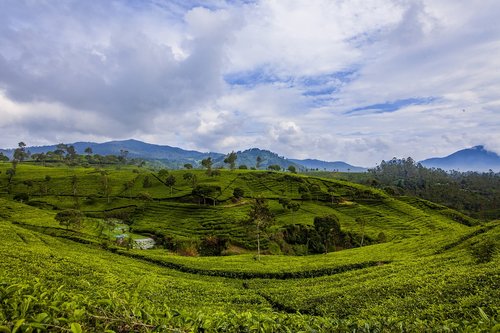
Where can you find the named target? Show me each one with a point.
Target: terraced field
(437, 270)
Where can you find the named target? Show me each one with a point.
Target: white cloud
(155, 71)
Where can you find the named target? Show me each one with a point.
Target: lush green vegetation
(422, 266)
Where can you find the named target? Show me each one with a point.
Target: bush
(212, 246)
(22, 197)
(238, 192)
(69, 217)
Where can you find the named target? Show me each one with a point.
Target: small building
(144, 243)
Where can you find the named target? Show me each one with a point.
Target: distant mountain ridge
(135, 148)
(472, 159)
(175, 157)
(249, 158)
(329, 166)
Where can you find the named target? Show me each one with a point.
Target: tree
(258, 161)
(362, 222)
(238, 193)
(274, 167)
(61, 149)
(71, 153)
(10, 174)
(284, 202)
(292, 169)
(123, 156)
(261, 217)
(74, 183)
(29, 185)
(293, 207)
(207, 191)
(188, 166)
(163, 173)
(332, 191)
(243, 167)
(207, 163)
(20, 153)
(106, 187)
(212, 245)
(231, 160)
(69, 217)
(88, 151)
(3, 158)
(328, 229)
(146, 183)
(170, 181)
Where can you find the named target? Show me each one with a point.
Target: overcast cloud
(358, 81)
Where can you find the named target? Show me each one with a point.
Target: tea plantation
(396, 264)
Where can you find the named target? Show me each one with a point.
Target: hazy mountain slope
(329, 166)
(472, 159)
(135, 148)
(249, 158)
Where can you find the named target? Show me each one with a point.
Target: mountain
(472, 159)
(172, 156)
(249, 158)
(329, 166)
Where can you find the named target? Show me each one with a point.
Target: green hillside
(423, 266)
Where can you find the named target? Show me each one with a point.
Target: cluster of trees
(324, 236)
(476, 194)
(68, 154)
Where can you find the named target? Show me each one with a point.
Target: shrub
(238, 192)
(22, 197)
(69, 217)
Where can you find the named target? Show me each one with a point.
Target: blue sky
(358, 81)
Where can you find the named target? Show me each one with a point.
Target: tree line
(473, 193)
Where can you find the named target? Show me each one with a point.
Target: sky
(358, 81)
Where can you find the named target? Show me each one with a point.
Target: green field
(434, 270)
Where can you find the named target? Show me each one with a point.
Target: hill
(422, 267)
(472, 159)
(249, 158)
(328, 166)
(174, 157)
(136, 149)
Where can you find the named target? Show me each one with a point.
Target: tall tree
(74, 184)
(362, 222)
(3, 158)
(20, 152)
(123, 156)
(11, 172)
(69, 218)
(207, 163)
(261, 217)
(258, 161)
(231, 160)
(328, 229)
(170, 181)
(106, 186)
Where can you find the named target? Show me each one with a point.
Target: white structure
(144, 243)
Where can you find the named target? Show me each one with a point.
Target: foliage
(274, 167)
(69, 218)
(477, 194)
(238, 192)
(231, 160)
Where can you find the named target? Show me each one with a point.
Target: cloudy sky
(358, 81)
